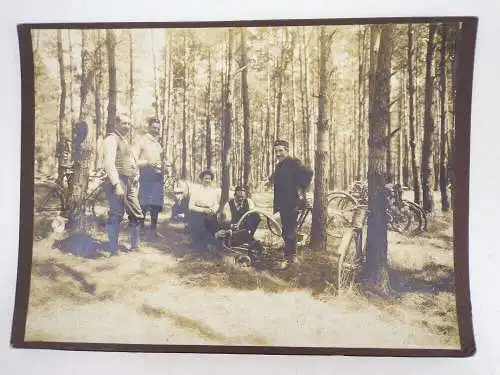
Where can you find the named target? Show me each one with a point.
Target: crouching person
(231, 215)
(122, 184)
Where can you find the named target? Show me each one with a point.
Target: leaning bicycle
(52, 200)
(352, 250)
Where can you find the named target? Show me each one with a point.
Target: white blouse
(201, 198)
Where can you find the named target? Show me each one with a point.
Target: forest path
(165, 294)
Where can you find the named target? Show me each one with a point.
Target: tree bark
(208, 125)
(97, 96)
(226, 121)
(411, 124)
(82, 149)
(111, 47)
(427, 203)
(376, 267)
(131, 74)
(247, 151)
(320, 213)
(184, 109)
(62, 104)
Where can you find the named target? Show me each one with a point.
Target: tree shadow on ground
(314, 271)
(82, 245)
(432, 278)
(53, 270)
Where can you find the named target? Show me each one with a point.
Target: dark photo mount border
(460, 219)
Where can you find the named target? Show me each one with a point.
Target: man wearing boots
(151, 190)
(290, 179)
(122, 184)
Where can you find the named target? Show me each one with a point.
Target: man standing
(151, 190)
(122, 184)
(291, 178)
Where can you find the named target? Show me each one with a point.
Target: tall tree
(443, 179)
(226, 123)
(208, 123)
(426, 170)
(247, 151)
(380, 87)
(131, 73)
(82, 147)
(411, 123)
(97, 96)
(319, 213)
(111, 48)
(184, 107)
(156, 103)
(62, 102)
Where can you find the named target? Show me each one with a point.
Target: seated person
(233, 211)
(202, 208)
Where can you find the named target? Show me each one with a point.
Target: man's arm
(109, 146)
(251, 204)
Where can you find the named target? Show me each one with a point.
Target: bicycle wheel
(419, 213)
(49, 198)
(407, 219)
(98, 206)
(340, 201)
(349, 263)
(48, 206)
(339, 208)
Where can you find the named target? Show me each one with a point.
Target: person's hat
(207, 173)
(281, 142)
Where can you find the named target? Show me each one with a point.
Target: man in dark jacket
(291, 179)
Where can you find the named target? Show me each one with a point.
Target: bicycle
(403, 216)
(52, 197)
(269, 237)
(352, 250)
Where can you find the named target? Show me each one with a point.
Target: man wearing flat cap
(122, 183)
(290, 179)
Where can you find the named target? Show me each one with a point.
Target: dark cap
(281, 142)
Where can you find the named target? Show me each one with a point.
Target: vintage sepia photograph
(253, 185)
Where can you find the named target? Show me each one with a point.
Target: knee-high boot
(134, 237)
(113, 233)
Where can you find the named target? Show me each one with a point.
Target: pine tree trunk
(62, 104)
(247, 151)
(208, 125)
(131, 74)
(427, 201)
(226, 121)
(319, 213)
(411, 92)
(184, 111)
(82, 150)
(97, 97)
(111, 47)
(71, 91)
(155, 76)
(376, 268)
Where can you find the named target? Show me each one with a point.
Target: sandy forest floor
(164, 294)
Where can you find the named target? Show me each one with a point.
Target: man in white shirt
(151, 190)
(122, 184)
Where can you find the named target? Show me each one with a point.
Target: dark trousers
(289, 232)
(201, 229)
(246, 231)
(129, 204)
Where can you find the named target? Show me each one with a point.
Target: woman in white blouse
(203, 205)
